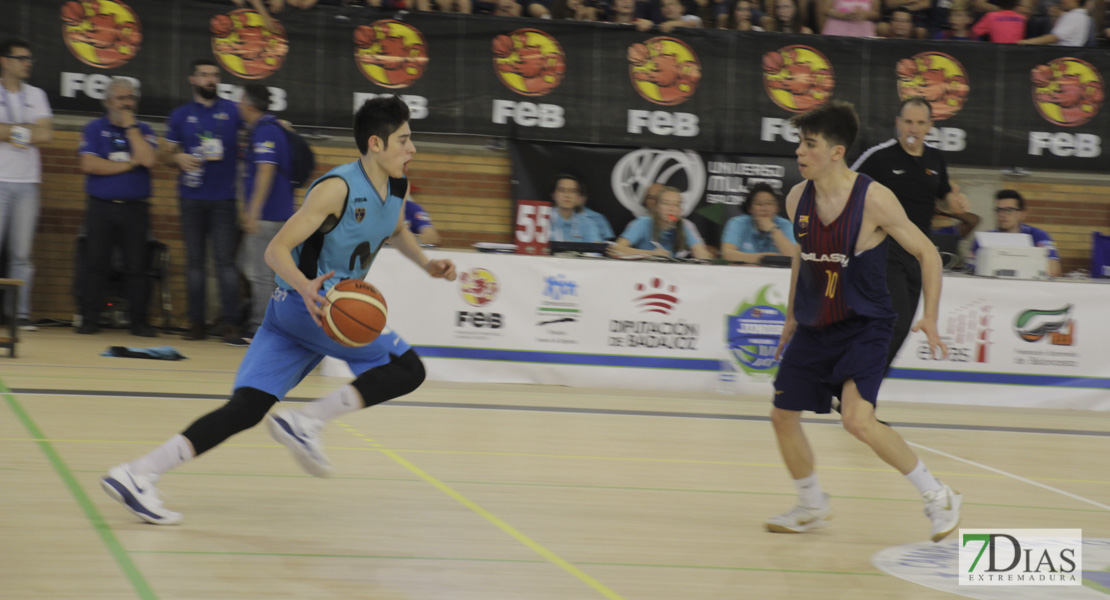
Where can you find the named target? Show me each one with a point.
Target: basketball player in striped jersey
(347, 215)
(839, 320)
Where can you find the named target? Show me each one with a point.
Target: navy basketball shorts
(817, 363)
(289, 344)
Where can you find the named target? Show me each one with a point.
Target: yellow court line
(502, 525)
(562, 456)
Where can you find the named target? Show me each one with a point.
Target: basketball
(365, 36)
(356, 314)
(73, 13)
(220, 25)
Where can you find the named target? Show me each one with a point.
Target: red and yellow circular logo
(529, 62)
(478, 286)
(101, 33)
(798, 78)
(390, 53)
(664, 70)
(245, 46)
(937, 78)
(1067, 91)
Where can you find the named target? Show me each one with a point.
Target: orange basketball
(356, 314)
(220, 25)
(365, 36)
(73, 13)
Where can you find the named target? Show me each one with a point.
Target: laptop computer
(1009, 255)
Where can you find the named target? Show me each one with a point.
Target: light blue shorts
(289, 344)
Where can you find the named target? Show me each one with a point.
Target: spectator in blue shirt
(598, 219)
(1009, 208)
(268, 193)
(202, 141)
(664, 233)
(761, 232)
(569, 222)
(116, 153)
(419, 223)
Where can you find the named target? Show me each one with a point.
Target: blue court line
(569, 358)
(708, 364)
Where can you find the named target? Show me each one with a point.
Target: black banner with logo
(714, 185)
(584, 83)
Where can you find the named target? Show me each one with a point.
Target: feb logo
(529, 62)
(390, 53)
(798, 78)
(245, 46)
(938, 78)
(101, 33)
(664, 70)
(1067, 91)
(479, 287)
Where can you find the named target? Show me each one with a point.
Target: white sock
(809, 490)
(175, 452)
(340, 402)
(922, 479)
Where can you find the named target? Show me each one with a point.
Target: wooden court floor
(491, 492)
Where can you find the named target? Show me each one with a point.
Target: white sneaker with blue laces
(137, 494)
(301, 435)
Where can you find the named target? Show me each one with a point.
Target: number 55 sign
(533, 227)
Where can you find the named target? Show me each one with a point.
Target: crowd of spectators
(1058, 22)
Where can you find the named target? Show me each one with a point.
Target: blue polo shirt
(190, 123)
(638, 234)
(743, 233)
(578, 228)
(101, 138)
(603, 226)
(269, 145)
(415, 217)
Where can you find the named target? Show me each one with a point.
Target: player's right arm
(325, 199)
(795, 263)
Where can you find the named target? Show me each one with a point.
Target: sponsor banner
(635, 324)
(574, 82)
(937, 566)
(958, 84)
(1021, 557)
(713, 185)
(1055, 117)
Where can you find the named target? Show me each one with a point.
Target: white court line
(1011, 475)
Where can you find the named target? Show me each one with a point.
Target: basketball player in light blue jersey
(346, 217)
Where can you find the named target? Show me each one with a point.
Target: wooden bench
(11, 287)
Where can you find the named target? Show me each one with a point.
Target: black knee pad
(400, 376)
(244, 410)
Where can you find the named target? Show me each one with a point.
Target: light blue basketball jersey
(350, 245)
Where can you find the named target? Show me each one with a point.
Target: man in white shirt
(25, 124)
(1073, 28)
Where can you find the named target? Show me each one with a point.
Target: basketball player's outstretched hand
(441, 267)
(313, 301)
(787, 333)
(936, 346)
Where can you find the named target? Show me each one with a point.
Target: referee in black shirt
(918, 176)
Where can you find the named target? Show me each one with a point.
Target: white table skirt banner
(681, 327)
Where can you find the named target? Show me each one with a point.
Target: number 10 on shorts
(533, 227)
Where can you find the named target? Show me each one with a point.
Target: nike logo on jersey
(801, 235)
(899, 171)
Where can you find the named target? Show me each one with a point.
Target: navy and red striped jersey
(834, 283)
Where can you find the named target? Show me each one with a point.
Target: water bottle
(195, 178)
(726, 377)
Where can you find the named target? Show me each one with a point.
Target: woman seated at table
(761, 232)
(660, 233)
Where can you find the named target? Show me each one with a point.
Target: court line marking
(504, 560)
(580, 410)
(1010, 475)
(502, 525)
(115, 548)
